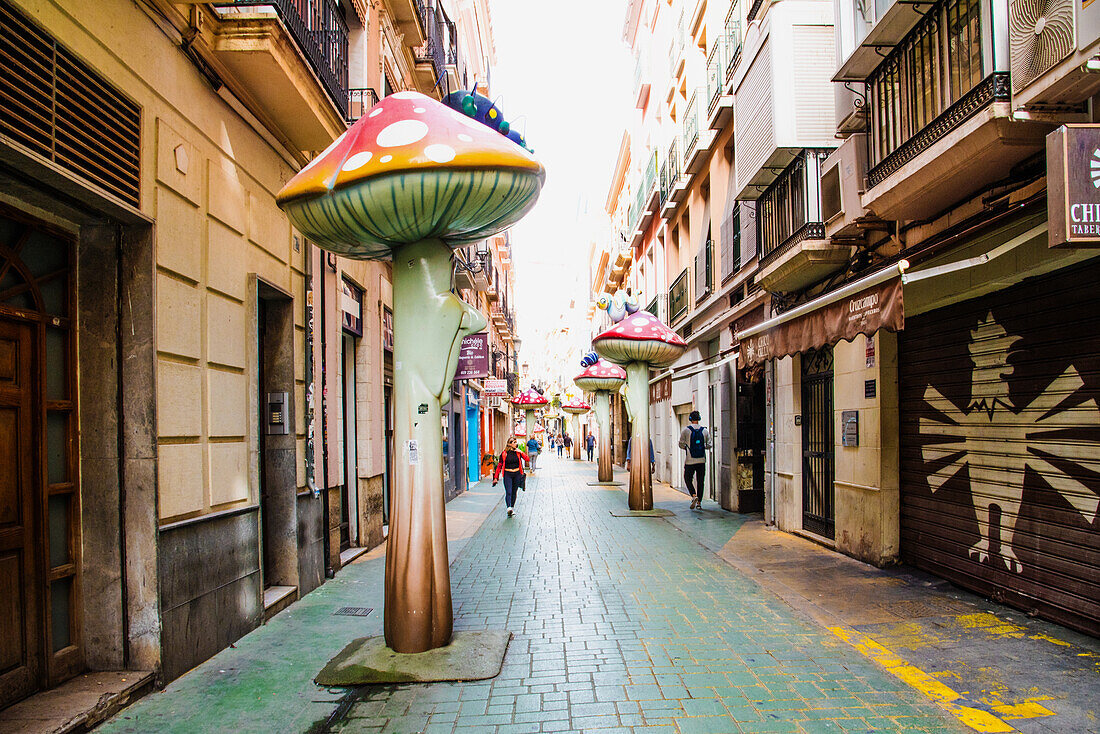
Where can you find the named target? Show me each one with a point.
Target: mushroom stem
(637, 391)
(575, 425)
(429, 323)
(603, 419)
(529, 423)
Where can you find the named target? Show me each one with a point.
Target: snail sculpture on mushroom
(576, 407)
(412, 180)
(602, 378)
(638, 342)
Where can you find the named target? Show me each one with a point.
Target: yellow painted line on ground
(1030, 708)
(946, 697)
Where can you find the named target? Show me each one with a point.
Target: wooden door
(21, 629)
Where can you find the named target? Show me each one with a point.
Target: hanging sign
(1073, 186)
(473, 357)
(661, 390)
(495, 388)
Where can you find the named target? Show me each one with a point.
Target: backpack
(697, 444)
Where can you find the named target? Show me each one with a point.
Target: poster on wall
(473, 357)
(496, 388)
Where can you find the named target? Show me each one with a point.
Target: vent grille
(52, 103)
(1040, 35)
(352, 611)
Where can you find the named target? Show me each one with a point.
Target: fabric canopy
(876, 307)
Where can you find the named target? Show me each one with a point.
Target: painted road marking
(946, 697)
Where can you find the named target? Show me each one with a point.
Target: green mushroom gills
(429, 324)
(368, 219)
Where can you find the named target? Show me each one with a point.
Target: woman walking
(511, 465)
(533, 448)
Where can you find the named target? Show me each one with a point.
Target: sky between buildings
(563, 76)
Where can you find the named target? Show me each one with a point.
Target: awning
(861, 307)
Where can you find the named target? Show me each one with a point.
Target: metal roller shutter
(1000, 445)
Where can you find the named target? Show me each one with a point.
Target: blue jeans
(511, 484)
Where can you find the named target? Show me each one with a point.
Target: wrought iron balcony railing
(321, 35)
(675, 164)
(441, 45)
(733, 40)
(691, 125)
(790, 210)
(716, 72)
(360, 101)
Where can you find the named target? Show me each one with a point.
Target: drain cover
(353, 611)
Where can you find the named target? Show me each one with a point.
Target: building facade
(844, 211)
(194, 399)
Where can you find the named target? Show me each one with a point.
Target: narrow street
(645, 624)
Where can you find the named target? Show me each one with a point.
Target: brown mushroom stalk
(602, 379)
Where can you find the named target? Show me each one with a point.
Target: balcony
(360, 102)
(893, 19)
(697, 134)
(440, 48)
(719, 102)
(794, 252)
(675, 182)
(641, 80)
(676, 51)
(410, 17)
(279, 51)
(502, 320)
(678, 298)
(473, 268)
(733, 42)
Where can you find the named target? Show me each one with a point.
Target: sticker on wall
(412, 448)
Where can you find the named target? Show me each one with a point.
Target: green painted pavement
(620, 624)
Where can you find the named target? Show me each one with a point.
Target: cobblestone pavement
(630, 624)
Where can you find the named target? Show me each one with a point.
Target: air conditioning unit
(1051, 45)
(843, 180)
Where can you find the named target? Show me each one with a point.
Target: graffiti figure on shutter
(983, 437)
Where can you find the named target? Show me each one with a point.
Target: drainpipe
(309, 375)
(769, 427)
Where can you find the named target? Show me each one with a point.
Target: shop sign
(495, 388)
(473, 357)
(1073, 183)
(661, 390)
(351, 306)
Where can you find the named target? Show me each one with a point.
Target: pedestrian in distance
(567, 442)
(696, 442)
(511, 466)
(533, 448)
(561, 444)
(590, 445)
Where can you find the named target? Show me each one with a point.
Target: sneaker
(509, 512)
(694, 503)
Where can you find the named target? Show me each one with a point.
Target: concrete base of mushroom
(429, 323)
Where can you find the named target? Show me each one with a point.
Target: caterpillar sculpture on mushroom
(412, 180)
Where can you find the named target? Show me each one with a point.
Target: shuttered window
(1000, 444)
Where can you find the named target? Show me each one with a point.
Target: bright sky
(563, 75)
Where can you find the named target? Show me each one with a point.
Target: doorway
(473, 457)
(818, 500)
(349, 508)
(387, 482)
(40, 544)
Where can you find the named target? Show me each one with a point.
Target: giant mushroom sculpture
(602, 379)
(529, 401)
(576, 407)
(412, 180)
(638, 342)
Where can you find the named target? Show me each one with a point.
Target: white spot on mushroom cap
(418, 110)
(407, 95)
(376, 112)
(358, 160)
(639, 321)
(385, 159)
(402, 132)
(440, 153)
(465, 138)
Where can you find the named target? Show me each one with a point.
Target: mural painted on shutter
(1000, 444)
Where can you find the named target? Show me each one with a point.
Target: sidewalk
(701, 622)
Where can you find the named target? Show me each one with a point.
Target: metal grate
(54, 104)
(352, 611)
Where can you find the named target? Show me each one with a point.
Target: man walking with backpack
(695, 440)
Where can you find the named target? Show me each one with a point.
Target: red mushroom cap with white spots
(412, 169)
(576, 406)
(601, 376)
(529, 400)
(640, 337)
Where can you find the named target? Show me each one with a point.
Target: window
(937, 64)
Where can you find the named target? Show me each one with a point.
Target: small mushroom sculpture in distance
(529, 401)
(576, 407)
(602, 379)
(412, 180)
(638, 342)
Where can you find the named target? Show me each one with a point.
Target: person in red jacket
(511, 464)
